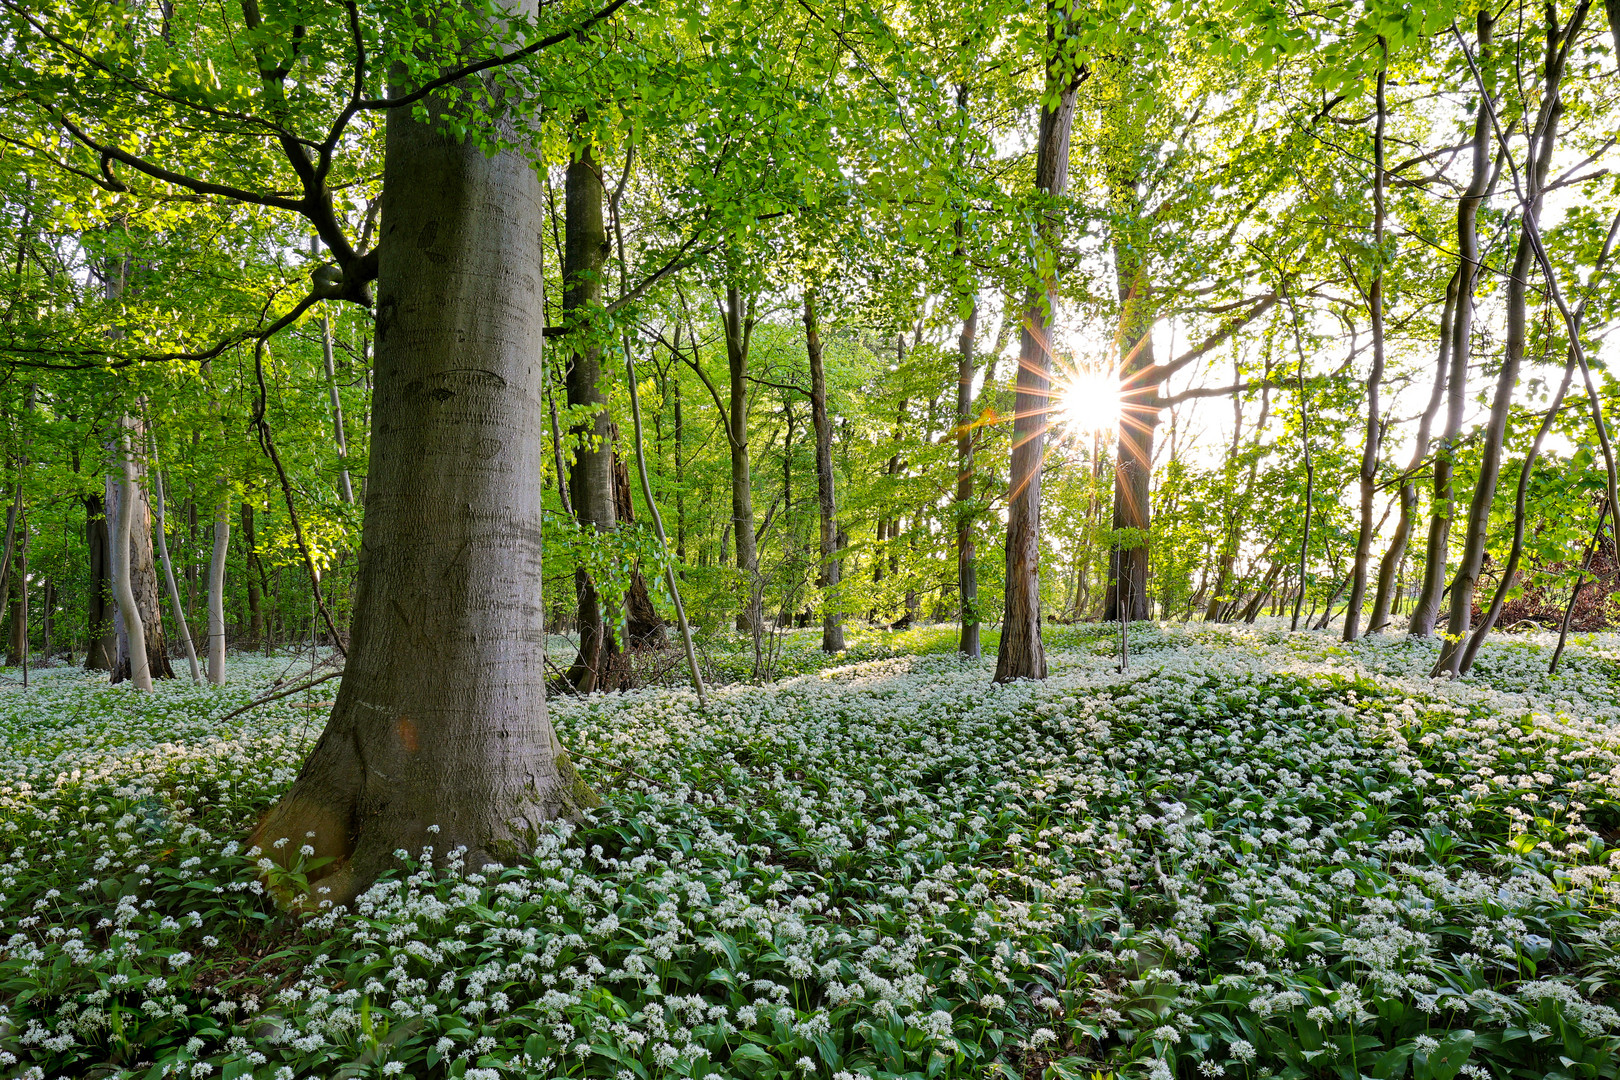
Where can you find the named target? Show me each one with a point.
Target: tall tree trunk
(680, 472)
(345, 486)
(738, 316)
(102, 642)
(967, 574)
(1375, 377)
(250, 543)
(1021, 654)
(216, 589)
(47, 619)
(832, 619)
(143, 582)
(1387, 597)
(590, 478)
(168, 574)
(441, 718)
(1539, 160)
(1426, 609)
(133, 663)
(17, 639)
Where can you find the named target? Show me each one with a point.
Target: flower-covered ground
(1252, 854)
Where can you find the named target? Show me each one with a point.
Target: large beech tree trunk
(1021, 654)
(441, 718)
(143, 577)
(1426, 609)
(832, 620)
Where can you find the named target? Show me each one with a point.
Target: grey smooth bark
(216, 590)
(441, 718)
(140, 673)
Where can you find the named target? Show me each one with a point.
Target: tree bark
(832, 619)
(738, 316)
(967, 574)
(17, 639)
(250, 544)
(441, 718)
(216, 590)
(102, 644)
(1543, 138)
(1385, 600)
(143, 581)
(168, 576)
(1426, 609)
(132, 660)
(1375, 377)
(643, 626)
(1021, 654)
(590, 477)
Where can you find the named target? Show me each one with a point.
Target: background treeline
(1332, 284)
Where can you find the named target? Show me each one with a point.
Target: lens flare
(1088, 402)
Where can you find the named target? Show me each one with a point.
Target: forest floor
(1252, 854)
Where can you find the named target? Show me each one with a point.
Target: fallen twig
(256, 702)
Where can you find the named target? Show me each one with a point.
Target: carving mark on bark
(421, 639)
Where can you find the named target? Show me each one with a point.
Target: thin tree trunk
(102, 643)
(17, 639)
(643, 626)
(441, 717)
(1375, 377)
(140, 672)
(1543, 137)
(967, 574)
(168, 573)
(1310, 469)
(345, 488)
(256, 635)
(590, 480)
(738, 317)
(144, 581)
(216, 590)
(1426, 609)
(1386, 599)
(832, 619)
(1021, 654)
(1494, 610)
(1580, 583)
(658, 529)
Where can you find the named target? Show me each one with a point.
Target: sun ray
(1088, 401)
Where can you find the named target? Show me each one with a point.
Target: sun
(1088, 402)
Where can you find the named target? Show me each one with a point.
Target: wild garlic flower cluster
(1253, 854)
